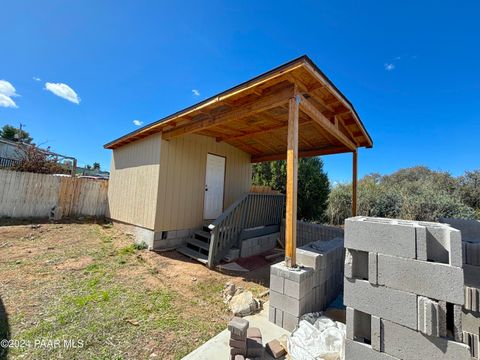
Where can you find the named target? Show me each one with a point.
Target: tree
(417, 193)
(469, 189)
(96, 166)
(313, 184)
(12, 133)
(35, 160)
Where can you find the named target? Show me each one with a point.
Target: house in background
(184, 180)
(9, 153)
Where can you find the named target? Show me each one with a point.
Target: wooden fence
(28, 195)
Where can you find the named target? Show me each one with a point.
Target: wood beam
(354, 184)
(269, 101)
(252, 133)
(321, 120)
(292, 174)
(306, 153)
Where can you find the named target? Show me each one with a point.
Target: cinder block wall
(470, 230)
(308, 232)
(404, 291)
(308, 288)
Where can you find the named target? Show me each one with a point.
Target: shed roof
(252, 116)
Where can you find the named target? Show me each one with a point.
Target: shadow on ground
(4, 330)
(5, 221)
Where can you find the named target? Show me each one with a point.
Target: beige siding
(133, 188)
(182, 179)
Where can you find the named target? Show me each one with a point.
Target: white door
(214, 187)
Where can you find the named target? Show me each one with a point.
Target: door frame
(205, 182)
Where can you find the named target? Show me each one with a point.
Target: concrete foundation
(156, 240)
(258, 245)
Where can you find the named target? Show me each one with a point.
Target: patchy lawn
(87, 284)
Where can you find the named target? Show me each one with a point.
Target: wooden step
(203, 234)
(193, 254)
(198, 243)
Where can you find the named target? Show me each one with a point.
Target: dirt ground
(84, 291)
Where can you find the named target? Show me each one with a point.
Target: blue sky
(411, 68)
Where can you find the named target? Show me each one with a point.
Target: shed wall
(181, 187)
(133, 188)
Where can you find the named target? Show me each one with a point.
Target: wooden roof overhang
(253, 116)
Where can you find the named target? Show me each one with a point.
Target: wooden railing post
(354, 184)
(292, 169)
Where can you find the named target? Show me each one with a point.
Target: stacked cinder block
(403, 290)
(245, 342)
(258, 245)
(310, 287)
(470, 230)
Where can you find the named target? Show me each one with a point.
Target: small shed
(185, 179)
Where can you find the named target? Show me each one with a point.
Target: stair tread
(199, 243)
(203, 233)
(193, 254)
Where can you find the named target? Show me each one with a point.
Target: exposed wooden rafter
(307, 107)
(329, 150)
(268, 101)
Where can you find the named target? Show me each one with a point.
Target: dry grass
(88, 283)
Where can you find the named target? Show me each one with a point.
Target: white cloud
(137, 122)
(196, 92)
(6, 101)
(7, 91)
(64, 91)
(36, 78)
(389, 66)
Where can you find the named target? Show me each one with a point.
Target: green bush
(415, 193)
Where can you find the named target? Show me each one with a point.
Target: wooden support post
(292, 170)
(354, 184)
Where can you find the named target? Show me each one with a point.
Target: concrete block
(290, 321)
(457, 322)
(296, 307)
(445, 282)
(471, 322)
(472, 341)
(428, 316)
(472, 275)
(358, 351)
(404, 343)
(472, 299)
(238, 326)
(316, 254)
(442, 318)
(470, 229)
(297, 274)
(350, 322)
(348, 269)
(379, 235)
(271, 313)
(279, 317)
(298, 290)
(472, 253)
(239, 344)
(275, 349)
(376, 333)
(277, 283)
(439, 243)
(373, 268)
(384, 302)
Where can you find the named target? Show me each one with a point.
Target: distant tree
(96, 166)
(469, 189)
(417, 193)
(88, 167)
(12, 133)
(313, 184)
(35, 160)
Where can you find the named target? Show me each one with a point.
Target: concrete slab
(217, 348)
